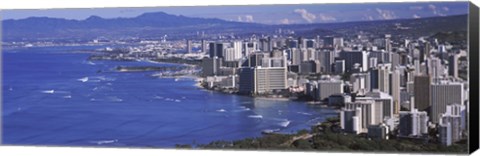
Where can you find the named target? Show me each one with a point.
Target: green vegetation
(324, 137)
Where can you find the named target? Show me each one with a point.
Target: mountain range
(151, 25)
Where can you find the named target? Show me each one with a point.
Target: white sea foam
(10, 89)
(256, 116)
(84, 79)
(104, 142)
(177, 100)
(115, 99)
(48, 91)
(304, 113)
(221, 110)
(284, 123)
(67, 97)
(270, 130)
(158, 97)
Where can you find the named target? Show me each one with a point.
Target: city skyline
(169, 77)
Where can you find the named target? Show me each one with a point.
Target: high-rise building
(371, 113)
(248, 48)
(256, 59)
(442, 94)
(326, 58)
(413, 123)
(458, 110)
(350, 120)
(421, 91)
(189, 46)
(232, 54)
(380, 78)
(262, 77)
(382, 98)
(329, 87)
(211, 66)
(435, 68)
(395, 90)
(353, 58)
(339, 67)
(310, 43)
(246, 80)
(360, 83)
(453, 65)
(308, 67)
(295, 56)
(378, 132)
(454, 121)
(270, 78)
(216, 49)
(204, 46)
(445, 133)
(373, 62)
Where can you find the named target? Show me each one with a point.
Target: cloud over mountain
(309, 17)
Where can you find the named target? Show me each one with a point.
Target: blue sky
(268, 14)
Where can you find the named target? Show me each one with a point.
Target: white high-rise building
(371, 113)
(455, 123)
(380, 78)
(444, 93)
(350, 120)
(458, 110)
(413, 123)
(271, 75)
(435, 68)
(360, 83)
(329, 87)
(445, 132)
(382, 98)
(395, 90)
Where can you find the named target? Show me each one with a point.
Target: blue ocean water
(54, 96)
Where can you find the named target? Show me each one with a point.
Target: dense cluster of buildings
(386, 86)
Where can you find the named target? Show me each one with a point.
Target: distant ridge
(159, 23)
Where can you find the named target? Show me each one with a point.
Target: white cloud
(326, 18)
(416, 16)
(433, 8)
(386, 14)
(248, 18)
(416, 7)
(284, 21)
(367, 17)
(309, 17)
(240, 19)
(245, 18)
